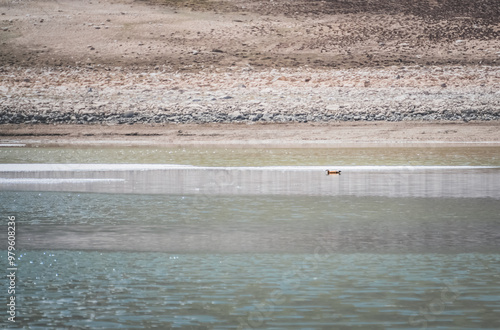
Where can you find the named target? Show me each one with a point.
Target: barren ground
(436, 54)
(191, 35)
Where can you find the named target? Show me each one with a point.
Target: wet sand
(338, 135)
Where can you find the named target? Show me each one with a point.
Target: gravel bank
(240, 61)
(117, 96)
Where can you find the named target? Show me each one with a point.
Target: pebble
(235, 115)
(128, 114)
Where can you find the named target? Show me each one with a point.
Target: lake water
(201, 245)
(211, 156)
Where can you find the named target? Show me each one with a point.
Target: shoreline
(240, 74)
(269, 135)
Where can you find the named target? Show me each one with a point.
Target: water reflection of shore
(390, 181)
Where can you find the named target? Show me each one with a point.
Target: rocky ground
(181, 61)
(82, 96)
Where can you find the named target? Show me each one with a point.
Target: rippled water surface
(218, 247)
(225, 291)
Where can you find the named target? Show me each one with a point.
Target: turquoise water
(265, 248)
(225, 291)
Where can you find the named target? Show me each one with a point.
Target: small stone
(332, 107)
(128, 114)
(235, 115)
(266, 116)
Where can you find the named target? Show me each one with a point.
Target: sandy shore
(239, 72)
(338, 135)
(192, 35)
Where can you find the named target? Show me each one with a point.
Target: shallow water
(143, 246)
(473, 156)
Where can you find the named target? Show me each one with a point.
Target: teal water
(106, 261)
(266, 291)
(287, 248)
